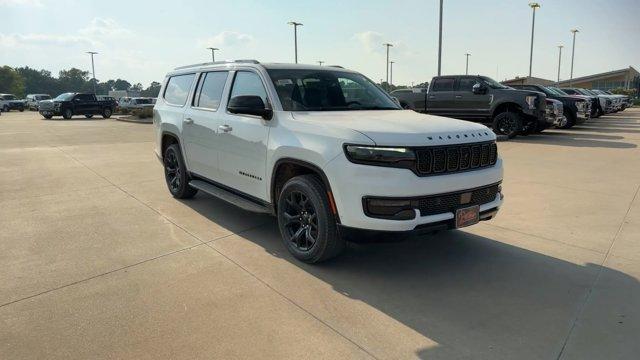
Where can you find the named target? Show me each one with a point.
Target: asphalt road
(98, 260)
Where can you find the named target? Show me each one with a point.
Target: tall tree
(153, 90)
(11, 82)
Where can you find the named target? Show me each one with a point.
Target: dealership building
(628, 78)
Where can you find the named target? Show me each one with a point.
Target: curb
(132, 119)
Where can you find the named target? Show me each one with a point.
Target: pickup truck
(482, 99)
(576, 110)
(69, 104)
(412, 98)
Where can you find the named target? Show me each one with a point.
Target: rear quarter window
(177, 90)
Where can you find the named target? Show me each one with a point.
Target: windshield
(142, 101)
(555, 91)
(587, 92)
(9, 97)
(328, 90)
(493, 84)
(64, 97)
(43, 97)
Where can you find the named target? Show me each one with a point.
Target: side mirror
(479, 89)
(250, 105)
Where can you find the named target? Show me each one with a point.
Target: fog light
(393, 209)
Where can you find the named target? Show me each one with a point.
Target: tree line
(21, 81)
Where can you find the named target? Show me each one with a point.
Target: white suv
(325, 150)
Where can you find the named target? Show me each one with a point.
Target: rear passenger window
(443, 84)
(178, 89)
(248, 83)
(210, 92)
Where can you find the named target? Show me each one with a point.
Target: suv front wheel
(306, 222)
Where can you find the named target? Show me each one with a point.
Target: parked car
(576, 110)
(10, 102)
(325, 150)
(598, 103)
(626, 100)
(129, 103)
(480, 98)
(32, 100)
(69, 104)
(619, 101)
(412, 98)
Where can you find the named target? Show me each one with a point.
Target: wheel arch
(287, 168)
(506, 106)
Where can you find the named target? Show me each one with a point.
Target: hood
(401, 127)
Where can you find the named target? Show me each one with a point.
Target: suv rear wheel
(106, 113)
(175, 173)
(507, 123)
(306, 222)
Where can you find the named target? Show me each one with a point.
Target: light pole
(573, 52)
(466, 72)
(295, 37)
(320, 62)
(387, 67)
(440, 42)
(533, 6)
(559, 58)
(93, 70)
(391, 76)
(213, 54)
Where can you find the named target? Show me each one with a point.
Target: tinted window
(443, 85)
(248, 83)
(84, 97)
(210, 92)
(178, 89)
(466, 84)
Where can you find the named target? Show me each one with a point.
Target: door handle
(188, 121)
(458, 96)
(225, 128)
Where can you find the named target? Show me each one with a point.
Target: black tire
(5, 109)
(48, 117)
(67, 113)
(507, 123)
(405, 106)
(106, 113)
(21, 109)
(175, 173)
(570, 120)
(88, 116)
(306, 222)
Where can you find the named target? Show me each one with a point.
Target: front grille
(455, 158)
(438, 204)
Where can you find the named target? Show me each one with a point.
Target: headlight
(531, 101)
(381, 156)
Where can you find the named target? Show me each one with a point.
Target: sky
(140, 41)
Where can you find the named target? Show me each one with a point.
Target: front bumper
(350, 183)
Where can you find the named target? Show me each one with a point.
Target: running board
(229, 197)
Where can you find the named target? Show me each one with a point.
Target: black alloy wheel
(307, 224)
(507, 123)
(67, 114)
(300, 221)
(175, 173)
(106, 113)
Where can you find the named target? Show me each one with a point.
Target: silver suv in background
(32, 100)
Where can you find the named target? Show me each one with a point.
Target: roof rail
(218, 63)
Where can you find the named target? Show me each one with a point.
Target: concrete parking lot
(98, 260)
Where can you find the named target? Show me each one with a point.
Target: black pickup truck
(69, 104)
(480, 98)
(576, 110)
